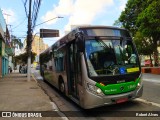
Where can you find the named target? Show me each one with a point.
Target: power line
(24, 3)
(19, 31)
(36, 7)
(20, 23)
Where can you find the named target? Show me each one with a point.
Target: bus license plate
(122, 100)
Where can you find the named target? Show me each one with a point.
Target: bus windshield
(110, 57)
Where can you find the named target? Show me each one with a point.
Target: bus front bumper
(93, 100)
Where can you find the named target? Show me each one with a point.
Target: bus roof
(71, 35)
(97, 26)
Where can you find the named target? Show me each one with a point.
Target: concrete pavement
(17, 94)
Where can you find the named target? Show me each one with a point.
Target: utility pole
(29, 42)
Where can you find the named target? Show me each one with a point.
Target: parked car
(148, 63)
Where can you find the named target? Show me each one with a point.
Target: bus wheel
(62, 86)
(43, 78)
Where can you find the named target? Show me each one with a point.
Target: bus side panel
(88, 99)
(49, 73)
(63, 75)
(81, 87)
(52, 76)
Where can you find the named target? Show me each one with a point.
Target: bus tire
(61, 86)
(44, 79)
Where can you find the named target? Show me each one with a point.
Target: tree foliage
(144, 44)
(118, 24)
(23, 58)
(149, 24)
(129, 16)
(149, 20)
(142, 19)
(16, 42)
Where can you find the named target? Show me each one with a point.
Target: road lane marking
(55, 108)
(147, 102)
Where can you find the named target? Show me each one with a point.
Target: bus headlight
(140, 81)
(99, 91)
(92, 88)
(138, 85)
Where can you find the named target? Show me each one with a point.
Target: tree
(143, 16)
(129, 16)
(22, 58)
(149, 24)
(144, 45)
(16, 42)
(118, 24)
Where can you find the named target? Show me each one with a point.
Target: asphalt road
(112, 112)
(151, 91)
(151, 94)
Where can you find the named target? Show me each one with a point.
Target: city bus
(94, 66)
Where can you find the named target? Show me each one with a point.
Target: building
(38, 46)
(6, 51)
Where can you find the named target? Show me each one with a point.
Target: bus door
(73, 70)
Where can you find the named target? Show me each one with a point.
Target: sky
(74, 12)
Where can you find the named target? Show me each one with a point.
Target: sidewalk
(17, 94)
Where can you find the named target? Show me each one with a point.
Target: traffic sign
(49, 33)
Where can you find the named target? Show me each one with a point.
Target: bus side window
(59, 61)
(61, 64)
(55, 63)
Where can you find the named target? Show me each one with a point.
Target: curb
(54, 106)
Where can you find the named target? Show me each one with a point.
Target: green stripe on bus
(112, 89)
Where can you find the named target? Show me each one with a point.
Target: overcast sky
(75, 12)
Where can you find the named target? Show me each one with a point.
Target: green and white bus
(94, 66)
